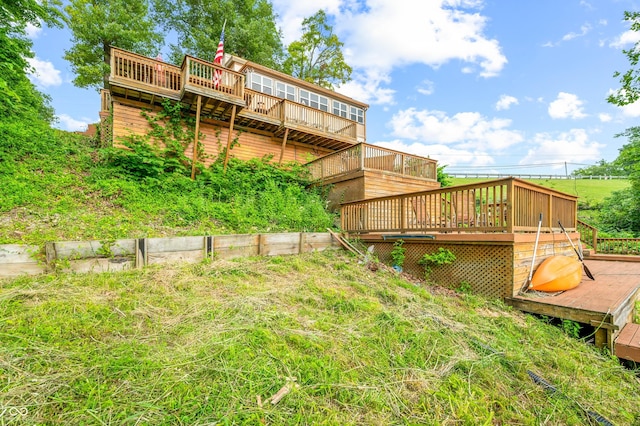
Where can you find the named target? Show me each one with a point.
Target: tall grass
(211, 343)
(64, 188)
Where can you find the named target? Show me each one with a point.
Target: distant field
(587, 190)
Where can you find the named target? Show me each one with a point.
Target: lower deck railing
(505, 205)
(589, 236)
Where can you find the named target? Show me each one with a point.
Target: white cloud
(625, 39)
(584, 30)
(32, 31)
(604, 117)
(631, 110)
(566, 105)
(367, 86)
(572, 146)
(45, 73)
(292, 12)
(426, 87)
(444, 154)
(505, 102)
(380, 35)
(466, 130)
(71, 124)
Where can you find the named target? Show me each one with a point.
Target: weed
(398, 254)
(571, 328)
(441, 257)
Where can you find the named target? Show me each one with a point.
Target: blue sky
(481, 85)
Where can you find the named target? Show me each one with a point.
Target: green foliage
(317, 57)
(197, 344)
(601, 168)
(443, 177)
(18, 96)
(465, 287)
(58, 186)
(398, 253)
(571, 328)
(629, 92)
(250, 33)
(441, 257)
(98, 24)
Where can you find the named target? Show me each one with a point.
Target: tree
(621, 211)
(630, 80)
(98, 24)
(18, 96)
(601, 168)
(317, 57)
(250, 33)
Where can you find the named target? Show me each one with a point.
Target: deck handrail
(137, 69)
(589, 236)
(211, 76)
(370, 157)
(503, 205)
(296, 115)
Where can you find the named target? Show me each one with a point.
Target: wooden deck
(606, 303)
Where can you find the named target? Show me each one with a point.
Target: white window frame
(285, 91)
(261, 84)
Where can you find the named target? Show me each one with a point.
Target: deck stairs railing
(589, 236)
(369, 157)
(503, 205)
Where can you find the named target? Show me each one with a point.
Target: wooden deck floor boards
(615, 285)
(607, 303)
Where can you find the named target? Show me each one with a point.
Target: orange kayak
(557, 273)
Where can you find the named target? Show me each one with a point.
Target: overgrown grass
(66, 189)
(204, 343)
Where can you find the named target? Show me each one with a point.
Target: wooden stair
(627, 344)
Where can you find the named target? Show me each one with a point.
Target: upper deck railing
(296, 115)
(364, 156)
(138, 71)
(211, 77)
(505, 205)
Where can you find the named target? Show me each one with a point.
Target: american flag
(217, 74)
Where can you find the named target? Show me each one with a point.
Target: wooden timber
(628, 343)
(606, 303)
(143, 82)
(503, 205)
(367, 171)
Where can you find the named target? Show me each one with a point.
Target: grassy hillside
(211, 343)
(64, 188)
(589, 191)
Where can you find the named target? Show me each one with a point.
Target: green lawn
(588, 191)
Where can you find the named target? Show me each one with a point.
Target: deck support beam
(284, 145)
(195, 139)
(231, 123)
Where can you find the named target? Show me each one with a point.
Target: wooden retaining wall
(119, 255)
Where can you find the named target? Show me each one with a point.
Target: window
(261, 83)
(339, 109)
(285, 91)
(356, 114)
(304, 97)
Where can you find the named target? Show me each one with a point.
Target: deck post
(594, 235)
(195, 139)
(231, 123)
(284, 144)
(362, 148)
